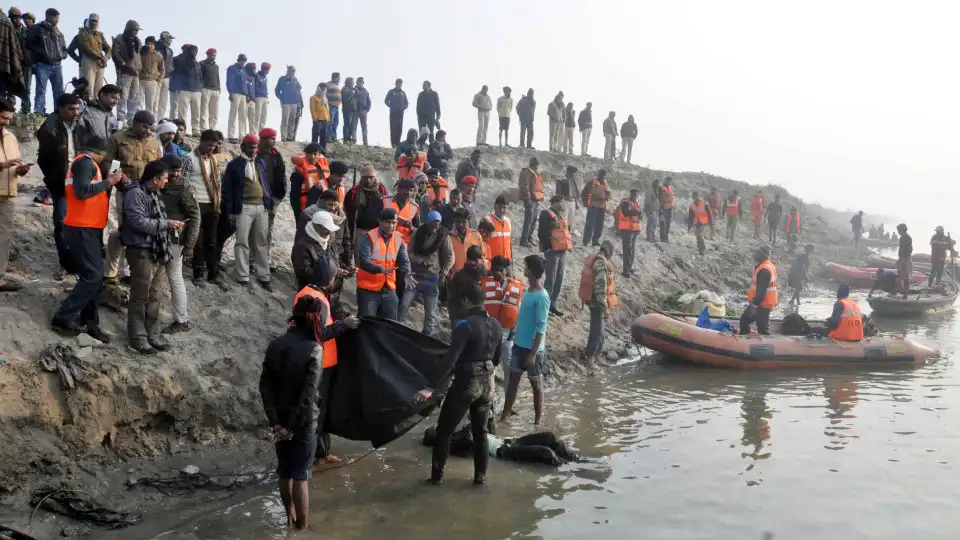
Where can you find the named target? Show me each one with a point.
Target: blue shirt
(534, 313)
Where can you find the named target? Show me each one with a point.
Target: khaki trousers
(190, 101)
(209, 109)
(238, 116)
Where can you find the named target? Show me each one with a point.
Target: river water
(680, 452)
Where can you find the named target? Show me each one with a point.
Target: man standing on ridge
(90, 49)
(348, 108)
(48, 49)
(210, 95)
(567, 186)
(758, 207)
(555, 112)
(629, 224)
(555, 243)
(531, 194)
(792, 228)
(20, 29)
(774, 212)
(585, 122)
(716, 204)
(397, 102)
(289, 92)
(504, 111)
(570, 125)
(428, 108)
(126, 58)
(247, 203)
(699, 217)
(164, 48)
(151, 76)
(261, 98)
(628, 133)
(595, 196)
(667, 201)
(334, 99)
(238, 100)
(484, 104)
(526, 108)
(733, 209)
(189, 83)
(610, 136)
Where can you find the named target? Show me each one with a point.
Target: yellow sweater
(319, 109)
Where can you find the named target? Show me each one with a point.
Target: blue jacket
(142, 219)
(288, 91)
(363, 99)
(249, 83)
(235, 79)
(232, 189)
(186, 73)
(261, 90)
(396, 100)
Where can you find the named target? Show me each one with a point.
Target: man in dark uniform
(475, 349)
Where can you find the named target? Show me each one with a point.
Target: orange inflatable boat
(861, 278)
(684, 340)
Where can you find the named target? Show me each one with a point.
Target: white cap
(166, 127)
(325, 219)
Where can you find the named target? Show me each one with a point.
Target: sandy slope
(203, 392)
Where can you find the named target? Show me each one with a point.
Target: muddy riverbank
(198, 402)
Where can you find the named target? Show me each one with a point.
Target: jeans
(377, 304)
(63, 248)
(25, 96)
(554, 279)
(666, 218)
(593, 226)
(467, 393)
(319, 133)
(595, 337)
(429, 290)
(253, 230)
(652, 219)
(396, 128)
(86, 247)
(362, 116)
(585, 140)
(629, 239)
(206, 254)
(762, 318)
(7, 207)
(52, 73)
(146, 281)
(349, 125)
(178, 289)
(526, 134)
(333, 124)
(530, 213)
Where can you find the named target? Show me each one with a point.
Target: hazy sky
(851, 103)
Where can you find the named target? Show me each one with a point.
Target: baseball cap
(434, 216)
(388, 214)
(326, 220)
(165, 35)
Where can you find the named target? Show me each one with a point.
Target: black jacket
(526, 107)
(439, 154)
(290, 381)
(276, 173)
(476, 339)
(569, 119)
(52, 155)
(545, 229)
(628, 129)
(46, 43)
(585, 120)
(210, 73)
(428, 104)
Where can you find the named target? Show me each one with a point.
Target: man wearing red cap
(238, 100)
(270, 162)
(189, 85)
(261, 98)
(247, 202)
(210, 95)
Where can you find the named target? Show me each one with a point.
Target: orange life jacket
(628, 223)
(90, 213)
(770, 299)
(733, 207)
(472, 238)
(794, 221)
(756, 208)
(502, 303)
(536, 190)
(715, 202)
(385, 255)
(598, 194)
(310, 173)
(670, 198)
(437, 193)
(501, 241)
(587, 278)
(329, 346)
(406, 169)
(700, 214)
(324, 165)
(408, 212)
(560, 239)
(851, 323)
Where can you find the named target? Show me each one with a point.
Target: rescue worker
(88, 204)
(699, 218)
(306, 176)
(438, 192)
(530, 339)
(758, 207)
(595, 196)
(431, 259)
(502, 295)
(792, 227)
(381, 255)
(799, 273)
(667, 201)
(567, 186)
(762, 294)
(555, 243)
(629, 225)
(904, 259)
(531, 193)
(323, 286)
(486, 234)
(939, 246)
(410, 163)
(332, 174)
(364, 203)
(846, 321)
(733, 209)
(475, 350)
(598, 290)
(501, 240)
(716, 204)
(885, 280)
(462, 238)
(408, 215)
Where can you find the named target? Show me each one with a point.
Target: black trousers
(526, 134)
(396, 128)
(762, 318)
(936, 272)
(467, 394)
(430, 122)
(86, 251)
(207, 253)
(629, 239)
(323, 438)
(593, 226)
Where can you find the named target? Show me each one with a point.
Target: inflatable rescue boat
(860, 278)
(684, 340)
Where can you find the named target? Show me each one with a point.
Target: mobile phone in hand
(114, 166)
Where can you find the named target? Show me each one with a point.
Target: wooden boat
(860, 277)
(891, 264)
(916, 302)
(681, 339)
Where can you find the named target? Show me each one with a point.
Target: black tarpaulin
(382, 367)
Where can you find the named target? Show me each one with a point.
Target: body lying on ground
(543, 447)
